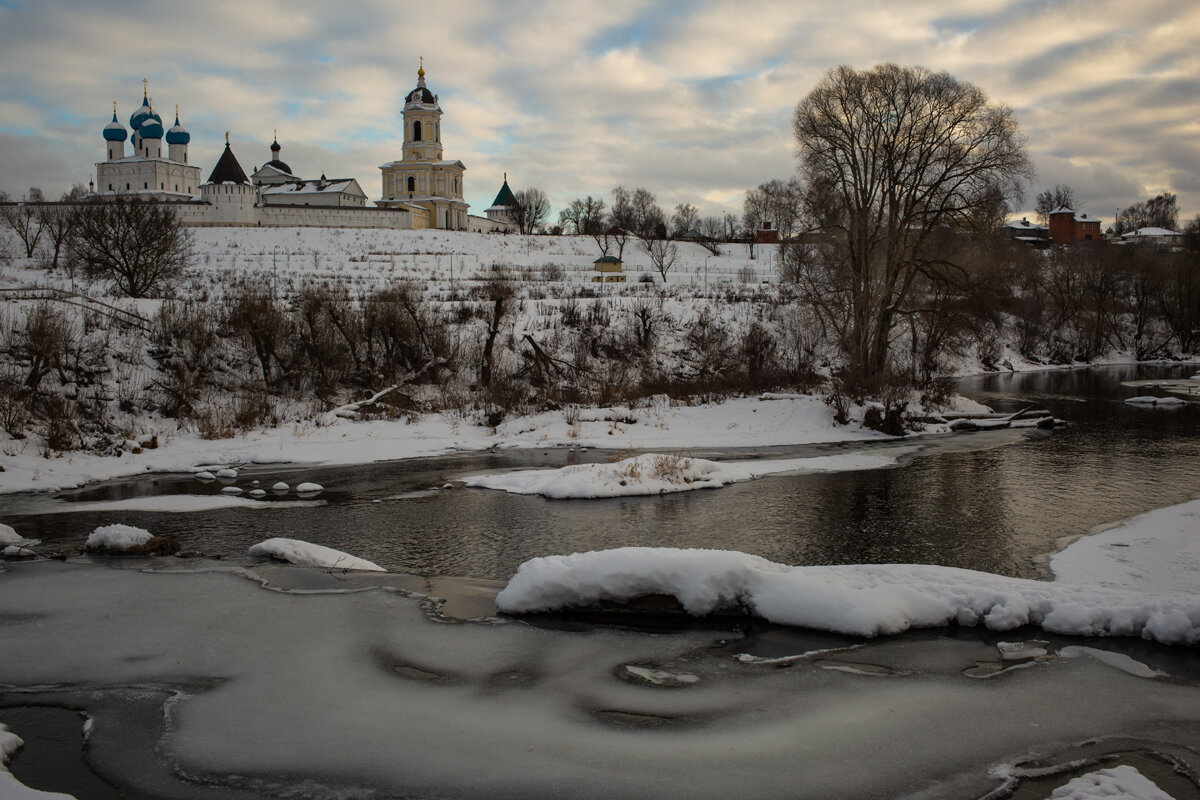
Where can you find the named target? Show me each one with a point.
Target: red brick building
(1072, 226)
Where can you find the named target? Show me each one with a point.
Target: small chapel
(429, 186)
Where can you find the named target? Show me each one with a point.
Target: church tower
(422, 181)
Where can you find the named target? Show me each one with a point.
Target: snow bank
(659, 473)
(306, 554)
(117, 537)
(10, 787)
(1155, 551)
(1119, 783)
(9, 536)
(861, 600)
(1151, 400)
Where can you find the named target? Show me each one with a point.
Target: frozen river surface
(214, 678)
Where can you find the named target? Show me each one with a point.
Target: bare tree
(685, 220)
(778, 202)
(139, 246)
(25, 222)
(891, 156)
(638, 212)
(583, 216)
(712, 231)
(754, 213)
(1061, 196)
(531, 210)
(57, 221)
(662, 253)
(1161, 211)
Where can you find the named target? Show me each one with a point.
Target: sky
(692, 100)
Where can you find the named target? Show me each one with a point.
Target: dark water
(989, 501)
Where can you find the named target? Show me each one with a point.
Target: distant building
(1023, 230)
(610, 268)
(422, 181)
(503, 209)
(767, 233)
(1159, 237)
(1067, 225)
(278, 186)
(145, 172)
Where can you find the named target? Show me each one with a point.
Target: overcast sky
(692, 100)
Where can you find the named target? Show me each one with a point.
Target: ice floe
(860, 599)
(295, 551)
(665, 473)
(1118, 783)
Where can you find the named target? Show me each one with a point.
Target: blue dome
(151, 127)
(178, 134)
(141, 115)
(114, 131)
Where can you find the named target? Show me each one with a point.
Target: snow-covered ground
(743, 422)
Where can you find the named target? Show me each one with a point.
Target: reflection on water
(991, 502)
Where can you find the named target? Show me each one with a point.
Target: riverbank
(765, 420)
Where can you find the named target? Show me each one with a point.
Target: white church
(420, 190)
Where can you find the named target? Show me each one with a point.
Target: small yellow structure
(610, 270)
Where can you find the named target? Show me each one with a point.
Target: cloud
(691, 99)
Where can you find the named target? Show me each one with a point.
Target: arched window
(412, 183)
(417, 131)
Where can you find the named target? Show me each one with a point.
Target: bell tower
(422, 122)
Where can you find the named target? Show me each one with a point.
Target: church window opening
(412, 184)
(417, 131)
(145, 185)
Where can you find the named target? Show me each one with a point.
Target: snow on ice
(1119, 783)
(117, 537)
(663, 473)
(302, 553)
(1155, 551)
(860, 599)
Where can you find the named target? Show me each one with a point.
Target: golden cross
(114, 108)
(227, 138)
(144, 89)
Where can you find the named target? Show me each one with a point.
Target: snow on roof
(1024, 224)
(1153, 232)
(335, 186)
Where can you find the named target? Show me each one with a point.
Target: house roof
(1025, 225)
(228, 170)
(607, 260)
(1151, 232)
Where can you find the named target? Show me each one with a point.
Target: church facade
(422, 189)
(429, 186)
(145, 172)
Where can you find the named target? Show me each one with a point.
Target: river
(991, 501)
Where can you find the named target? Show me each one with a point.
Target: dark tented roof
(505, 196)
(228, 170)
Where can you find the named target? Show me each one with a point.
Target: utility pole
(275, 272)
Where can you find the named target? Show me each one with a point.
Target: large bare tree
(531, 210)
(138, 246)
(1061, 196)
(891, 157)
